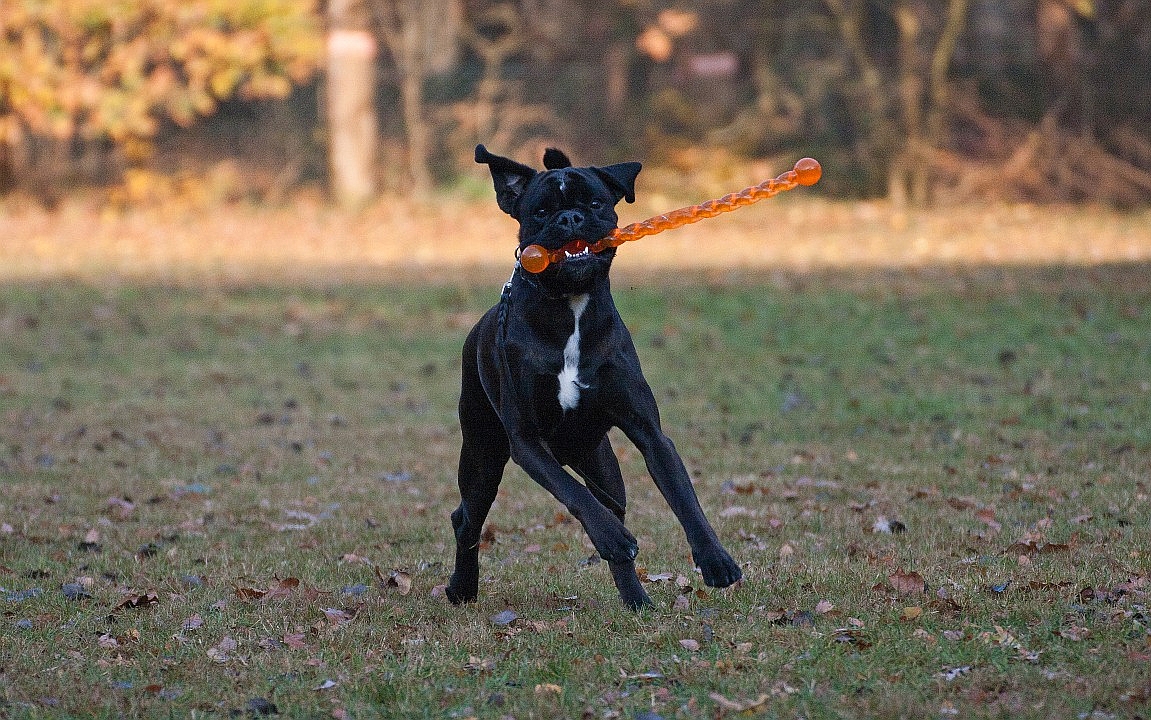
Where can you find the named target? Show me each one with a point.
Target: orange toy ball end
(534, 259)
(808, 171)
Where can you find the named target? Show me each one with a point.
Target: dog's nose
(570, 219)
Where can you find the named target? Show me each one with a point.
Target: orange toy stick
(537, 258)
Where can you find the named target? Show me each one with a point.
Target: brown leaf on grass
(907, 583)
(282, 589)
(337, 617)
(295, 641)
(221, 651)
(961, 503)
(136, 601)
(488, 536)
(395, 580)
(249, 593)
(278, 590)
(689, 644)
(987, 517)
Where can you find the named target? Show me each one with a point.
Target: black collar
(526, 276)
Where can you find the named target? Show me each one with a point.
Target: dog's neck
(534, 288)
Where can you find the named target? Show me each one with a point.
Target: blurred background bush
(918, 101)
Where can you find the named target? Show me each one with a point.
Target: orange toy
(536, 258)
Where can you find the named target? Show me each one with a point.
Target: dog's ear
(620, 179)
(509, 176)
(555, 159)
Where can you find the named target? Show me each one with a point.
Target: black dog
(551, 368)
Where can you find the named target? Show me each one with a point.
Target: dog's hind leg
(601, 472)
(483, 456)
(482, 461)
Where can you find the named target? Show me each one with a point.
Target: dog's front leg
(600, 471)
(609, 536)
(670, 475)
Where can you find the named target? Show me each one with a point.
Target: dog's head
(561, 204)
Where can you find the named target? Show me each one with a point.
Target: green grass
(205, 444)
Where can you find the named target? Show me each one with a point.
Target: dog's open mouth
(576, 249)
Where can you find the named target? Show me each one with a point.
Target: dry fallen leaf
(249, 593)
(689, 644)
(907, 583)
(295, 641)
(135, 601)
(220, 652)
(283, 588)
(395, 580)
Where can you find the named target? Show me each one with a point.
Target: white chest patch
(569, 376)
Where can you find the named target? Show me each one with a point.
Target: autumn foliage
(95, 69)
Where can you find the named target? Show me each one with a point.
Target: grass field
(225, 480)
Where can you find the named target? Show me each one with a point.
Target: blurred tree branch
(421, 37)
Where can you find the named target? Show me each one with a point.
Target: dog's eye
(541, 213)
(596, 204)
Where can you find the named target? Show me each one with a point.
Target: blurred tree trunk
(350, 99)
(914, 128)
(924, 90)
(1067, 44)
(421, 36)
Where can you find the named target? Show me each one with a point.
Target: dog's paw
(616, 547)
(637, 601)
(460, 591)
(719, 570)
(627, 582)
